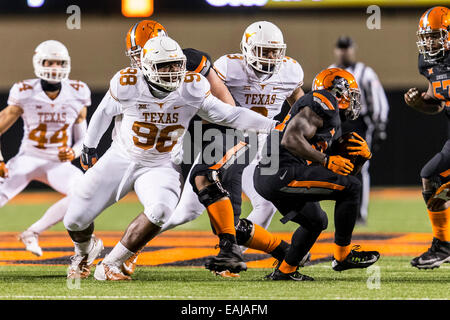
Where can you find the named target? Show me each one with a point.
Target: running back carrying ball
(345, 146)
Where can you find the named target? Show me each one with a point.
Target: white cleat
(30, 240)
(106, 272)
(129, 266)
(80, 266)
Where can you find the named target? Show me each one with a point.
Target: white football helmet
(257, 39)
(51, 50)
(158, 52)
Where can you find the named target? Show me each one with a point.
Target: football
(339, 147)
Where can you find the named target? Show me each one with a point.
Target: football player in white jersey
(260, 78)
(53, 109)
(155, 106)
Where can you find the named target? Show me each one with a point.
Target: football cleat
(229, 259)
(80, 265)
(129, 266)
(294, 276)
(356, 259)
(226, 274)
(106, 272)
(437, 254)
(30, 240)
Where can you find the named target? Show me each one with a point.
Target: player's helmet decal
(263, 47)
(343, 86)
(157, 56)
(138, 35)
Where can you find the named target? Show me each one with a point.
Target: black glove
(88, 157)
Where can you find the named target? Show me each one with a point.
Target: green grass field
(391, 278)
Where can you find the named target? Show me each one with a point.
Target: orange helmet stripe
(133, 35)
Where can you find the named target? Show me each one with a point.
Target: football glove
(66, 154)
(3, 170)
(339, 165)
(361, 150)
(88, 157)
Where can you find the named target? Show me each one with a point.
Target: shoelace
(114, 269)
(76, 260)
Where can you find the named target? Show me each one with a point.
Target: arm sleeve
(197, 61)
(101, 119)
(377, 102)
(79, 132)
(214, 110)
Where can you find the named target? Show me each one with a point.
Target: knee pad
(322, 222)
(212, 192)
(74, 225)
(158, 214)
(244, 231)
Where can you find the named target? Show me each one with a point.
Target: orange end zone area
(191, 248)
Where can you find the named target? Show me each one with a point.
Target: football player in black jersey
(434, 64)
(307, 174)
(199, 62)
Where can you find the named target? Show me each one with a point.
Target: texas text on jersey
(156, 123)
(48, 123)
(265, 96)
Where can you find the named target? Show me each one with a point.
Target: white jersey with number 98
(149, 128)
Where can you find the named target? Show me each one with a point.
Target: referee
(371, 124)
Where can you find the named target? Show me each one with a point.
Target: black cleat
(437, 254)
(229, 259)
(356, 259)
(293, 276)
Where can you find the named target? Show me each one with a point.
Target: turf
(384, 216)
(397, 280)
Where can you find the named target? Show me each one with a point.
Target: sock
(263, 240)
(222, 217)
(52, 216)
(83, 248)
(118, 255)
(287, 268)
(341, 252)
(440, 223)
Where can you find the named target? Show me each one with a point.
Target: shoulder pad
(81, 91)
(424, 66)
(22, 90)
(323, 103)
(197, 61)
(293, 70)
(195, 87)
(123, 86)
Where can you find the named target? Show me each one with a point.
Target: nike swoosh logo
(422, 261)
(283, 175)
(175, 108)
